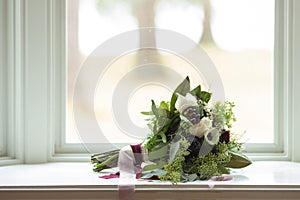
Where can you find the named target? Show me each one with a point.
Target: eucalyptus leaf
(154, 109)
(159, 153)
(238, 160)
(183, 178)
(146, 175)
(163, 119)
(149, 174)
(192, 177)
(152, 167)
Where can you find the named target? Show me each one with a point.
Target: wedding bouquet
(190, 139)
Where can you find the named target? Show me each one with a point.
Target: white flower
(183, 102)
(202, 128)
(212, 136)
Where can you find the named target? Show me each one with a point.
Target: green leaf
(152, 167)
(183, 178)
(192, 177)
(197, 92)
(173, 101)
(149, 174)
(238, 160)
(223, 169)
(163, 137)
(205, 96)
(164, 105)
(154, 109)
(162, 118)
(183, 88)
(147, 113)
(159, 153)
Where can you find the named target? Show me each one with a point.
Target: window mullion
(36, 91)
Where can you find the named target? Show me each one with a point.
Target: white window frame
(283, 32)
(37, 89)
(261, 150)
(12, 88)
(3, 99)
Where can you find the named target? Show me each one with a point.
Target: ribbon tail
(127, 178)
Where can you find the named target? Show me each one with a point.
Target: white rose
(212, 136)
(202, 128)
(183, 102)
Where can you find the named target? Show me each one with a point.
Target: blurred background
(238, 36)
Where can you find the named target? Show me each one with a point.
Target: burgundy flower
(225, 136)
(195, 147)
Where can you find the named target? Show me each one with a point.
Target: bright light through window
(238, 35)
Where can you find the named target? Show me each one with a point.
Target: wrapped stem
(105, 160)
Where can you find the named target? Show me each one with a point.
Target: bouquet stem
(105, 160)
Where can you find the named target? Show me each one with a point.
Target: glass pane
(238, 36)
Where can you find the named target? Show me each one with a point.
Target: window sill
(279, 180)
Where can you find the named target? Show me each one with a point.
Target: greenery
(223, 114)
(190, 138)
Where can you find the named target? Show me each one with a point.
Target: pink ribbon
(212, 180)
(130, 160)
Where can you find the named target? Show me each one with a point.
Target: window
(36, 74)
(241, 48)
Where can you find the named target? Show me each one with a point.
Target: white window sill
(281, 180)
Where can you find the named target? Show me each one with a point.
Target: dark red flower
(225, 136)
(195, 147)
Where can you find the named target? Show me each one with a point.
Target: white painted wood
(36, 81)
(13, 81)
(57, 72)
(281, 13)
(18, 64)
(3, 77)
(295, 86)
(262, 180)
(83, 193)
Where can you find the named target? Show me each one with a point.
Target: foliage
(190, 138)
(223, 114)
(187, 156)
